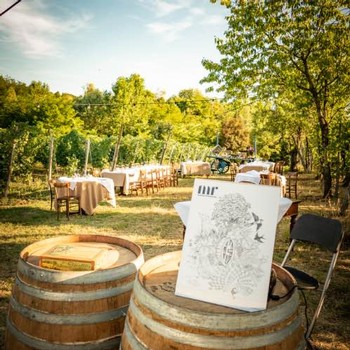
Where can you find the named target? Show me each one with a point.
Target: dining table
(124, 177)
(258, 165)
(195, 168)
(255, 177)
(91, 191)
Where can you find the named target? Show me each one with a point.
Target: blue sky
(70, 43)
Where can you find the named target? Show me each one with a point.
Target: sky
(68, 44)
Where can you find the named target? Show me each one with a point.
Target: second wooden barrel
(158, 319)
(53, 309)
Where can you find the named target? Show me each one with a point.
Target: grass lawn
(152, 222)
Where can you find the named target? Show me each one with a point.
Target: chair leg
(323, 295)
(67, 209)
(58, 209)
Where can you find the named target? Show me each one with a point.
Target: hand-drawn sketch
(228, 248)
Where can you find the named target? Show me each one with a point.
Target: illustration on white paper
(227, 252)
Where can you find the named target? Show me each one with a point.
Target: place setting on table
(91, 191)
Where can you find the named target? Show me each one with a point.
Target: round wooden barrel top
(158, 276)
(120, 251)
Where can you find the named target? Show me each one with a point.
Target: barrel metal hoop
(76, 277)
(35, 343)
(218, 321)
(76, 319)
(72, 296)
(213, 342)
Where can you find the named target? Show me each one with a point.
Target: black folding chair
(323, 232)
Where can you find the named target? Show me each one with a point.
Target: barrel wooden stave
(157, 320)
(73, 310)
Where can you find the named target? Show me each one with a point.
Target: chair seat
(304, 280)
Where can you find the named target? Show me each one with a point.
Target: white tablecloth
(195, 168)
(123, 177)
(183, 209)
(252, 176)
(257, 165)
(107, 184)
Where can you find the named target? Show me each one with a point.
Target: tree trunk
(344, 195)
(87, 151)
(51, 157)
(117, 147)
(327, 180)
(10, 169)
(293, 159)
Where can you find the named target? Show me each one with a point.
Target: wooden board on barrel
(86, 256)
(158, 319)
(58, 309)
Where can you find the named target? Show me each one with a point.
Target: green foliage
(70, 152)
(94, 109)
(131, 105)
(278, 50)
(27, 146)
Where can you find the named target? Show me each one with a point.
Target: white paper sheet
(228, 246)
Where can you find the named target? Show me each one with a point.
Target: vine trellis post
(117, 147)
(51, 157)
(87, 152)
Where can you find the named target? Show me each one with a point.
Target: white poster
(229, 242)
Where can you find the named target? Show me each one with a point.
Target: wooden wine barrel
(158, 319)
(54, 309)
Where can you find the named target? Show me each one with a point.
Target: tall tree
(130, 108)
(303, 47)
(95, 110)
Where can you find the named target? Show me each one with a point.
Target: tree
(130, 108)
(271, 47)
(94, 109)
(236, 128)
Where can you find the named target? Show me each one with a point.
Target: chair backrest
(317, 229)
(61, 189)
(278, 168)
(292, 177)
(271, 179)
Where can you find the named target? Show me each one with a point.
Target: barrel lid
(103, 251)
(158, 276)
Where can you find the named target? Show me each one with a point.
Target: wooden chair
(153, 180)
(149, 181)
(160, 179)
(140, 184)
(270, 179)
(292, 184)
(278, 168)
(174, 178)
(64, 199)
(167, 177)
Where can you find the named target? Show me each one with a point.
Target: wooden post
(116, 148)
(87, 151)
(51, 157)
(10, 168)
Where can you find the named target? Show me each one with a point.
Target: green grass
(152, 222)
